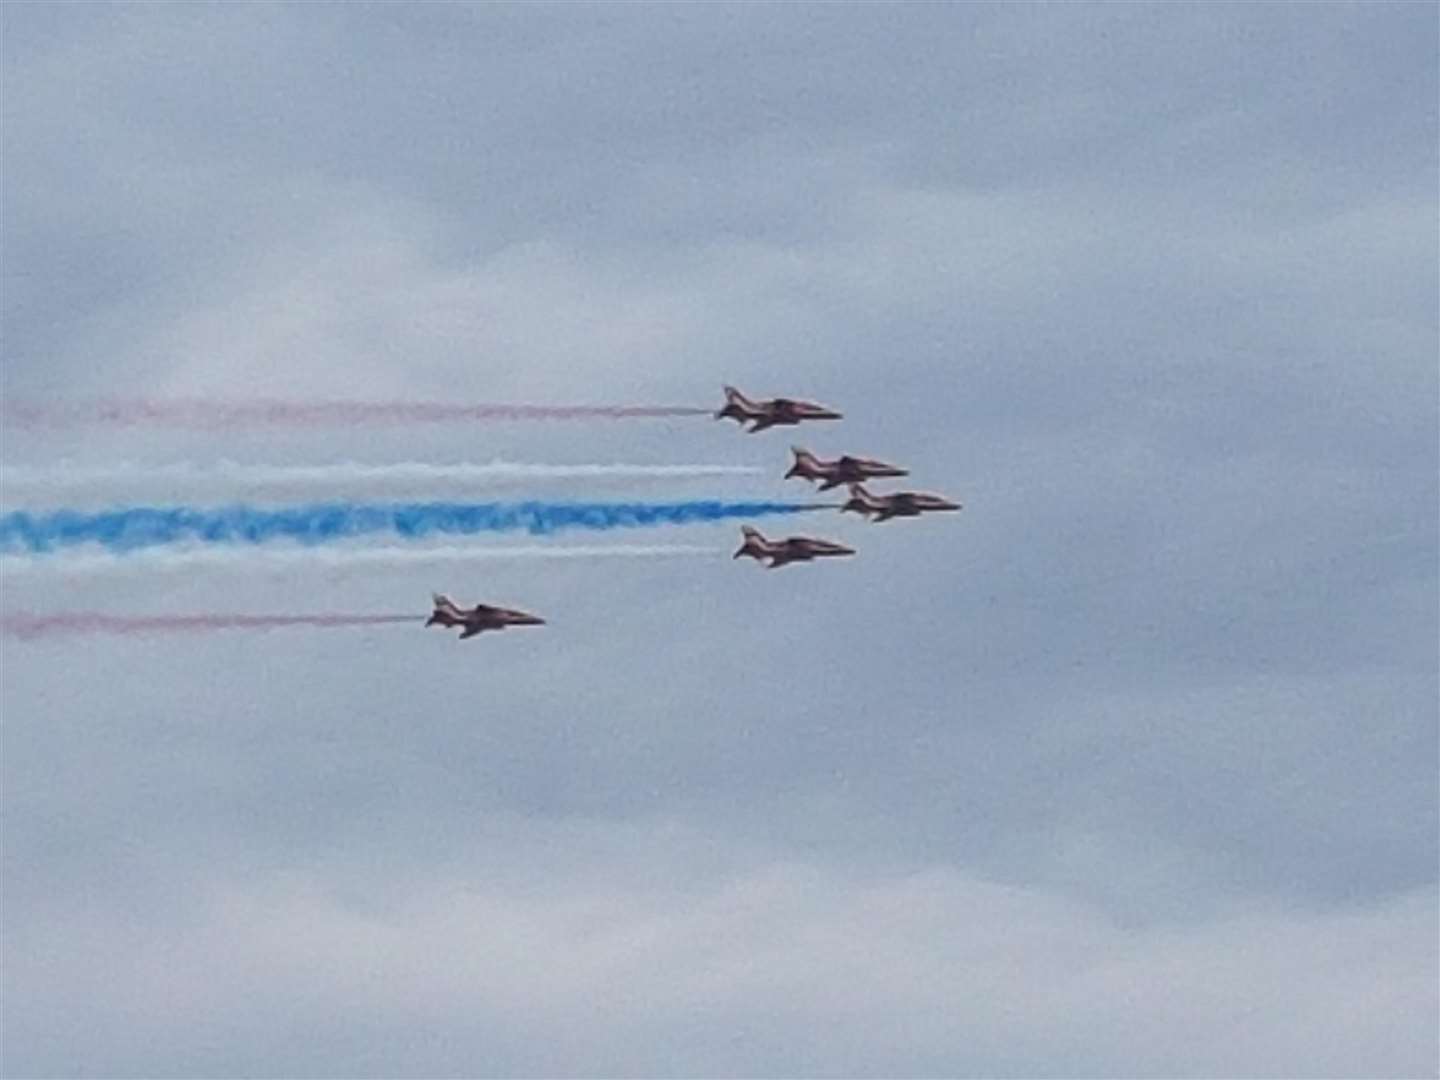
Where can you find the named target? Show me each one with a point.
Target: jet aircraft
(764, 414)
(898, 504)
(791, 549)
(480, 617)
(843, 470)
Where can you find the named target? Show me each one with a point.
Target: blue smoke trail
(319, 523)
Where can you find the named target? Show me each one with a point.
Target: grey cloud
(1126, 769)
(932, 973)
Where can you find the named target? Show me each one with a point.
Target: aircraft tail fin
(755, 545)
(735, 397)
(445, 610)
(736, 407)
(861, 501)
(806, 464)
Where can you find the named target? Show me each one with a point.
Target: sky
(1127, 769)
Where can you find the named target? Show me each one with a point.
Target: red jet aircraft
(480, 617)
(843, 470)
(792, 549)
(770, 413)
(899, 504)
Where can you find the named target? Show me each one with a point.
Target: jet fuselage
(895, 505)
(791, 549)
(479, 618)
(772, 413)
(842, 470)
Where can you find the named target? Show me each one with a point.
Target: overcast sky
(1129, 769)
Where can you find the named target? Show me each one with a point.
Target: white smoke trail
(66, 484)
(330, 559)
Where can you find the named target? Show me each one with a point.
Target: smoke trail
(318, 523)
(29, 626)
(208, 414)
(67, 484)
(250, 559)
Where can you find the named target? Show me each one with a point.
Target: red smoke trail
(30, 626)
(199, 413)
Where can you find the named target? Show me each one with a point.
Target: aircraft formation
(852, 472)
